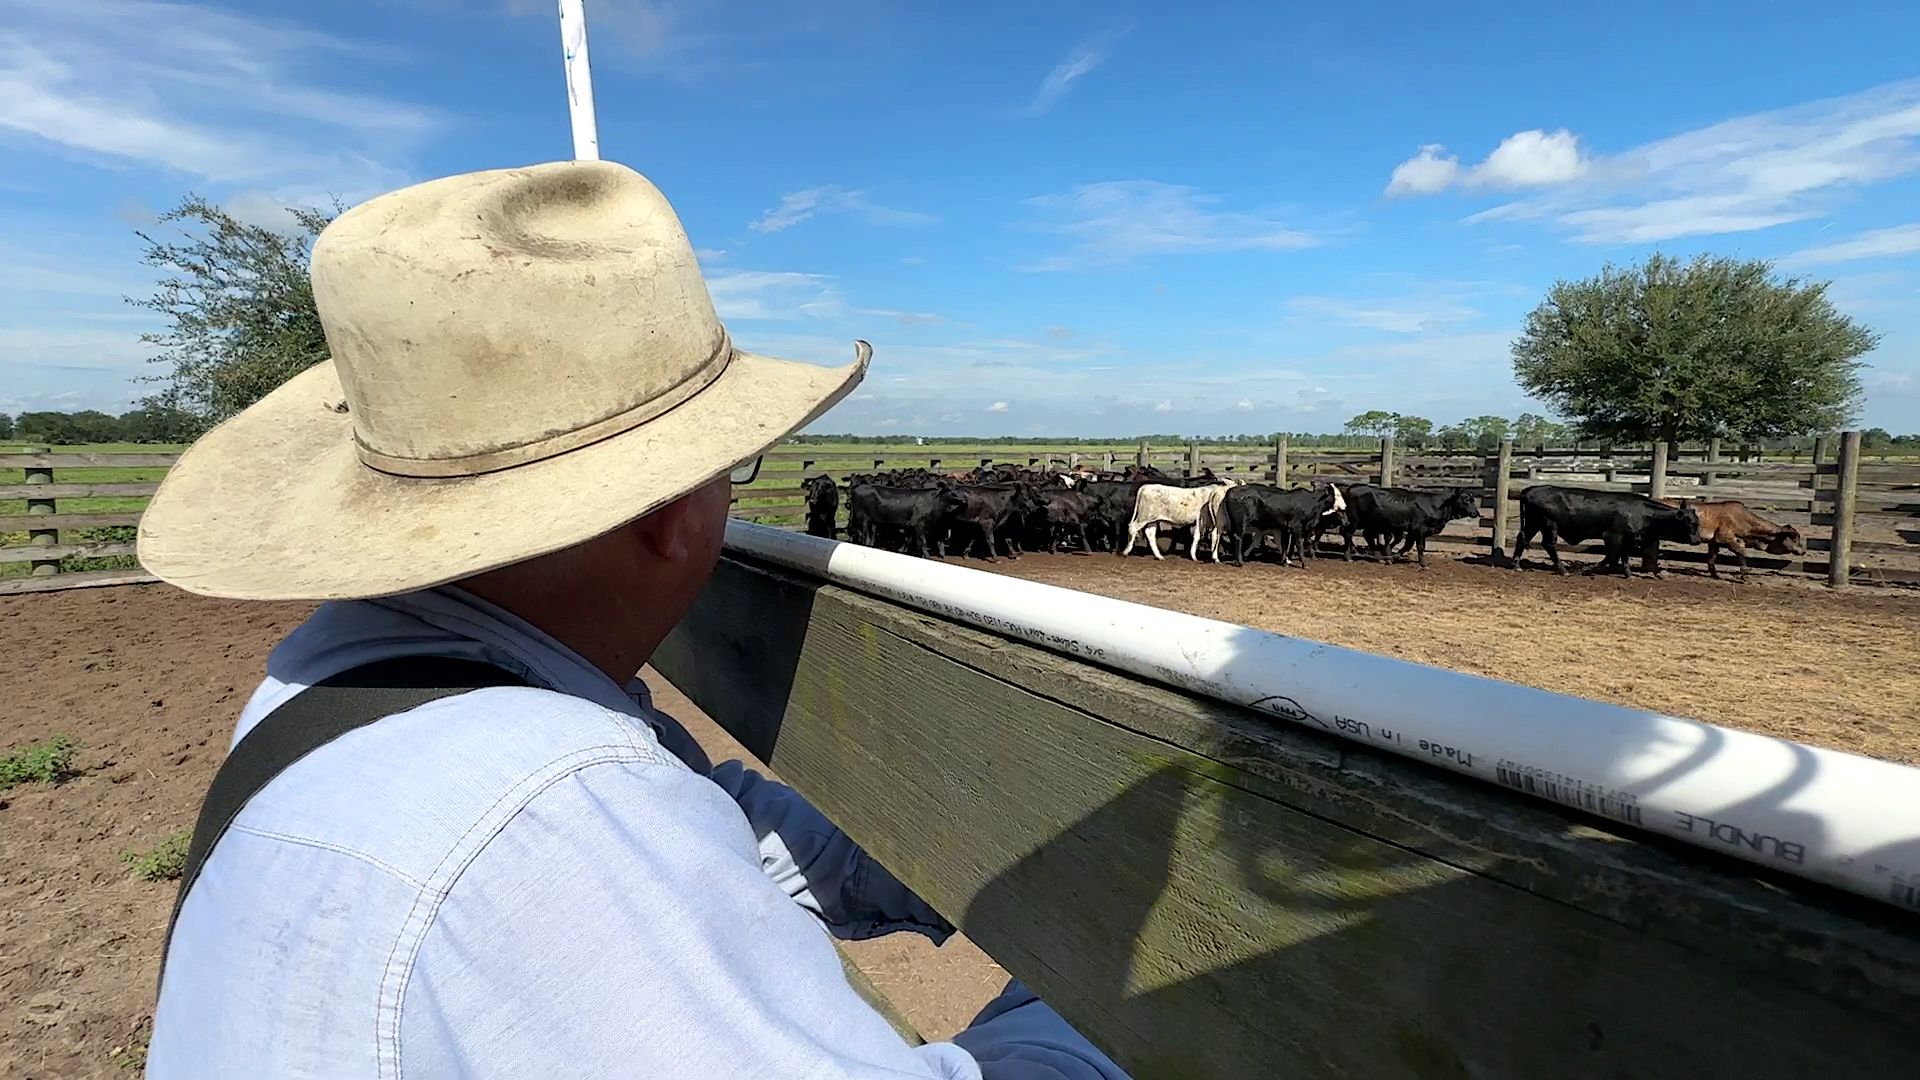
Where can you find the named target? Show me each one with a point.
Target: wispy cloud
(765, 294)
(1400, 316)
(998, 406)
(1122, 220)
(1876, 244)
(206, 93)
(1750, 172)
(1086, 56)
(833, 199)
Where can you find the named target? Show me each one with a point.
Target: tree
(1484, 433)
(240, 307)
(1532, 429)
(156, 424)
(1373, 422)
(6, 425)
(1454, 437)
(1711, 348)
(1414, 431)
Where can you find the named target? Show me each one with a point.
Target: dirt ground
(148, 680)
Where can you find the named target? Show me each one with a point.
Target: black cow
(912, 510)
(1061, 510)
(1623, 521)
(823, 502)
(1262, 507)
(1405, 513)
(989, 508)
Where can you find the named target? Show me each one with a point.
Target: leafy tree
(155, 424)
(1374, 422)
(6, 425)
(1532, 429)
(1453, 437)
(1485, 432)
(240, 307)
(1713, 347)
(1413, 431)
(47, 427)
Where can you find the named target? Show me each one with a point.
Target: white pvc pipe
(1838, 818)
(573, 43)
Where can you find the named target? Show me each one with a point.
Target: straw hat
(523, 359)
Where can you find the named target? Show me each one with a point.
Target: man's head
(529, 391)
(616, 596)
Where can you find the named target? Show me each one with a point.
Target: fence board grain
(76, 491)
(65, 521)
(39, 552)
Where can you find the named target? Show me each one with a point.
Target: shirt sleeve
(620, 924)
(820, 867)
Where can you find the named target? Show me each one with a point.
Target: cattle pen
(1215, 888)
(1861, 517)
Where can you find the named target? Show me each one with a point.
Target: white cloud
(1876, 244)
(709, 255)
(1750, 172)
(196, 91)
(1164, 407)
(1121, 220)
(1086, 56)
(1244, 405)
(1404, 316)
(832, 199)
(905, 318)
(998, 406)
(764, 294)
(1528, 159)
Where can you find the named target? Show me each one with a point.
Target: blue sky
(1064, 218)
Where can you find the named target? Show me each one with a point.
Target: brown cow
(1728, 523)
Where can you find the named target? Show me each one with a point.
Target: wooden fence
(1208, 893)
(1861, 518)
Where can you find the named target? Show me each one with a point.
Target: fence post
(1708, 478)
(1386, 461)
(1280, 461)
(1193, 459)
(35, 507)
(1073, 460)
(1502, 485)
(1840, 559)
(1140, 455)
(1657, 478)
(1110, 463)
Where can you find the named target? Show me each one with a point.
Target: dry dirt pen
(147, 681)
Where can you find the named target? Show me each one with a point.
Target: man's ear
(664, 532)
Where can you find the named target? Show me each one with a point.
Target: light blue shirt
(519, 882)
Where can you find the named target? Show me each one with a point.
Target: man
(517, 457)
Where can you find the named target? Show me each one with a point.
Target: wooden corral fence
(1207, 892)
(1861, 518)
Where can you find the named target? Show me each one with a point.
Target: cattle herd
(1005, 509)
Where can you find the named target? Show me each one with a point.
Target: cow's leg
(1086, 547)
(1153, 540)
(1423, 550)
(1548, 539)
(986, 533)
(1650, 557)
(920, 539)
(1520, 539)
(1346, 533)
(1133, 537)
(1740, 552)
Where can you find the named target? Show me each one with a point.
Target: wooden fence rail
(1208, 893)
(1862, 518)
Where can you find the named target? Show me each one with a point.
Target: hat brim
(275, 504)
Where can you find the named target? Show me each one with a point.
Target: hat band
(555, 445)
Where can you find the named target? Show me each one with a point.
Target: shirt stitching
(396, 975)
(338, 849)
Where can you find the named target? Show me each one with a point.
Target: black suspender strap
(311, 719)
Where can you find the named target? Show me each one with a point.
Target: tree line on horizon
(1712, 347)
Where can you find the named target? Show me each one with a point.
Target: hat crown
(489, 319)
